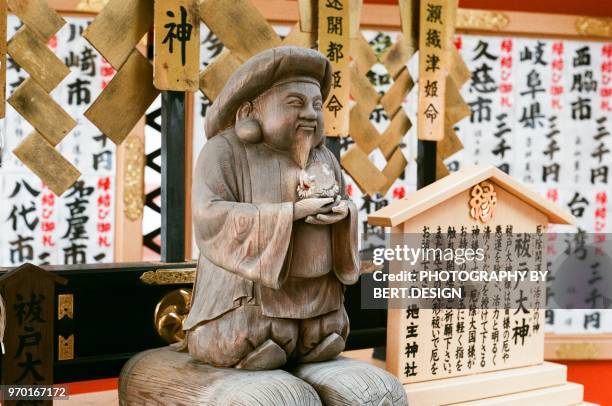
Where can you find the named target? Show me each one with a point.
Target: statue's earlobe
(321, 141)
(247, 127)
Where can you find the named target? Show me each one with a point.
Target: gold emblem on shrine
(483, 202)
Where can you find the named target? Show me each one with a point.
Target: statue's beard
(300, 150)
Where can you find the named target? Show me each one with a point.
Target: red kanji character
(605, 92)
(102, 214)
(104, 183)
(48, 199)
(552, 195)
(458, 42)
(104, 200)
(505, 101)
(47, 241)
(601, 198)
(104, 227)
(555, 104)
(600, 212)
(505, 87)
(103, 241)
(46, 213)
(106, 69)
(606, 50)
(557, 64)
(556, 90)
(399, 192)
(47, 226)
(505, 75)
(557, 48)
(506, 45)
(506, 61)
(606, 66)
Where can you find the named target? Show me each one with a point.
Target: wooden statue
(277, 236)
(272, 265)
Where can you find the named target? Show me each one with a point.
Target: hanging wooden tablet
(31, 99)
(334, 42)
(396, 56)
(41, 111)
(308, 11)
(358, 160)
(239, 26)
(243, 31)
(47, 163)
(367, 176)
(434, 58)
(125, 100)
(362, 53)
(118, 28)
(213, 78)
(37, 15)
(33, 55)
(300, 38)
(176, 60)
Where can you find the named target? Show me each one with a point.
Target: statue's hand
(338, 212)
(311, 207)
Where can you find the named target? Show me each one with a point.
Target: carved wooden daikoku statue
(273, 265)
(278, 243)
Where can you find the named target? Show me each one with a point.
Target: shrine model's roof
(416, 203)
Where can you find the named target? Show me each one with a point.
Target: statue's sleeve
(251, 240)
(344, 236)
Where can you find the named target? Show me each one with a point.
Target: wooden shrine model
(451, 356)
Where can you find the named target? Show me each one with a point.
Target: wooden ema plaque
(177, 45)
(29, 295)
(428, 343)
(334, 43)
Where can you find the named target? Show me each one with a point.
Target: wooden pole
(173, 176)
(426, 163)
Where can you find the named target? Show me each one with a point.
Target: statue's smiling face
(291, 118)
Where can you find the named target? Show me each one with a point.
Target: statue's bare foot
(269, 355)
(331, 346)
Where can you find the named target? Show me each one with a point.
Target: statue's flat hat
(260, 73)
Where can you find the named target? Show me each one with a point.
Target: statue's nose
(308, 112)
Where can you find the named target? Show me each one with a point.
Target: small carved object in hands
(317, 180)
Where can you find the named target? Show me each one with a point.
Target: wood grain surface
(41, 111)
(167, 377)
(118, 28)
(125, 100)
(47, 163)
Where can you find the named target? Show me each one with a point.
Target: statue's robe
(251, 250)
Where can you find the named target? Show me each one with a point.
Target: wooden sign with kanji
(29, 295)
(177, 45)
(434, 342)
